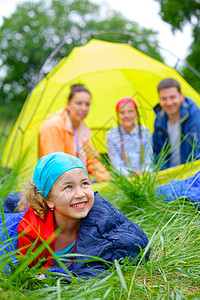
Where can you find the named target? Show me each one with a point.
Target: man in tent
(176, 137)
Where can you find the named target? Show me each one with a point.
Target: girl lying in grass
(61, 199)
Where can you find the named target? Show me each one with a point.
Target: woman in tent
(60, 198)
(65, 131)
(129, 144)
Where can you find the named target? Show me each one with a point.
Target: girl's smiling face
(127, 114)
(71, 196)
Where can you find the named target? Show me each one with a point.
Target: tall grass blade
(121, 277)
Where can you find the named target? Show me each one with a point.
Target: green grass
(173, 271)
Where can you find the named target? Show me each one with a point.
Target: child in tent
(129, 144)
(61, 197)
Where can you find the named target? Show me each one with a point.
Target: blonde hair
(31, 196)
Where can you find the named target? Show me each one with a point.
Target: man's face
(170, 101)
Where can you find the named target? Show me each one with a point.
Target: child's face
(71, 196)
(127, 114)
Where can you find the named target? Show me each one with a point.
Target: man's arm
(161, 149)
(194, 134)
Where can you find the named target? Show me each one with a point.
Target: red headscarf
(126, 100)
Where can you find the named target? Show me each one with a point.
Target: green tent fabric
(110, 71)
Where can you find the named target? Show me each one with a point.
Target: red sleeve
(32, 230)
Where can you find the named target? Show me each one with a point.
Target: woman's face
(79, 106)
(71, 196)
(127, 114)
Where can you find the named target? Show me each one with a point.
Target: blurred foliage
(194, 60)
(178, 13)
(34, 30)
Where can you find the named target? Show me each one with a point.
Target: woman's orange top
(56, 134)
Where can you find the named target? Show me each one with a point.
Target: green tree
(34, 30)
(178, 13)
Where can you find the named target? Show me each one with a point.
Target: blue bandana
(51, 166)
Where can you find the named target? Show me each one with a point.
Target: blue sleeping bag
(105, 233)
(187, 188)
(10, 202)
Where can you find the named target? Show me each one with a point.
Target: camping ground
(173, 227)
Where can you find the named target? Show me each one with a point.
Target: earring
(51, 208)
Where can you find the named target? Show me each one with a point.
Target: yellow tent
(110, 71)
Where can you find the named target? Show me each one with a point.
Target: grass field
(173, 271)
(173, 229)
